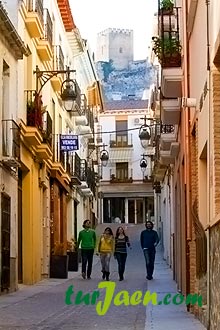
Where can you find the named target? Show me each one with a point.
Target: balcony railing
(37, 6)
(90, 118)
(121, 176)
(78, 98)
(58, 58)
(33, 106)
(117, 141)
(91, 179)
(167, 46)
(48, 27)
(58, 155)
(167, 129)
(10, 139)
(47, 128)
(83, 170)
(87, 175)
(73, 167)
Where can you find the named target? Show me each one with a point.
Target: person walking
(121, 243)
(149, 240)
(87, 238)
(106, 249)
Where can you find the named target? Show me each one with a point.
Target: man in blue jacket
(149, 240)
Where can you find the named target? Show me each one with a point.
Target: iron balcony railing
(58, 155)
(83, 170)
(36, 6)
(48, 27)
(33, 107)
(121, 175)
(47, 128)
(167, 129)
(36, 118)
(78, 97)
(90, 118)
(120, 140)
(10, 139)
(88, 175)
(91, 181)
(58, 58)
(83, 104)
(72, 163)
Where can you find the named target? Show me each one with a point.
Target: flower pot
(73, 264)
(171, 61)
(59, 266)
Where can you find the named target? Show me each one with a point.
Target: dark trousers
(121, 259)
(149, 255)
(87, 258)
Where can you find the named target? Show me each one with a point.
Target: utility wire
(124, 130)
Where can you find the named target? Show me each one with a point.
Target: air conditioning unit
(137, 121)
(188, 102)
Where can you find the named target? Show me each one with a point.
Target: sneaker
(84, 276)
(88, 278)
(149, 278)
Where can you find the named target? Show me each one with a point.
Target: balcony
(170, 111)
(88, 183)
(159, 171)
(44, 151)
(44, 44)
(59, 157)
(171, 82)
(120, 141)
(58, 65)
(168, 156)
(33, 16)
(74, 168)
(37, 133)
(167, 47)
(121, 176)
(31, 132)
(78, 102)
(168, 135)
(10, 143)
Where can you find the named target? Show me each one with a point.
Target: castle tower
(115, 45)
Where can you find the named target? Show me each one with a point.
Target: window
(122, 171)
(121, 132)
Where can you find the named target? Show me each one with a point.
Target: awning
(120, 155)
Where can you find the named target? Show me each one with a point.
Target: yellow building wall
(31, 220)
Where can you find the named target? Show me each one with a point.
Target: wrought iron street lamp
(104, 156)
(143, 163)
(68, 88)
(144, 133)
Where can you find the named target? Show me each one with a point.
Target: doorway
(5, 241)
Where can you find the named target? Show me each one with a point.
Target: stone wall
(215, 277)
(198, 284)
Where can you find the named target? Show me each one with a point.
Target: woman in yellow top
(106, 249)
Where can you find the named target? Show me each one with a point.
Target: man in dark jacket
(149, 240)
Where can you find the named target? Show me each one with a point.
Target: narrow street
(42, 306)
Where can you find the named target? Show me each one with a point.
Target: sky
(94, 16)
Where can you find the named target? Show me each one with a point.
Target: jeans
(87, 258)
(149, 255)
(121, 259)
(105, 261)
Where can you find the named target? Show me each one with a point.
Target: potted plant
(166, 7)
(72, 252)
(168, 51)
(59, 261)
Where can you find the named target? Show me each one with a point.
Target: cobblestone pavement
(42, 306)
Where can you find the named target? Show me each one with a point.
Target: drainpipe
(209, 159)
